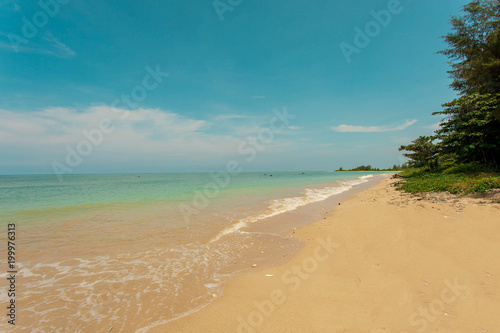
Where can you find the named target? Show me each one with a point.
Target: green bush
(462, 179)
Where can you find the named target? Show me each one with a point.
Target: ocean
(131, 251)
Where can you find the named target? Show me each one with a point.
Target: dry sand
(382, 262)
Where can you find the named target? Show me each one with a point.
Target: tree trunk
(485, 160)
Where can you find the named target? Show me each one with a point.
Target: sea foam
(280, 206)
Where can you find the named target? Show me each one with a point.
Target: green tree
(474, 48)
(422, 152)
(470, 130)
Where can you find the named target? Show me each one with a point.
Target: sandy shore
(382, 262)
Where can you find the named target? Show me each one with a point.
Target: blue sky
(65, 64)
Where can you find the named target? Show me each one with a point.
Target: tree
(474, 48)
(423, 152)
(471, 131)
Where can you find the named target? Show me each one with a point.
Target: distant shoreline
(379, 171)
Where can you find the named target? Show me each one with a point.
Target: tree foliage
(474, 48)
(470, 130)
(422, 152)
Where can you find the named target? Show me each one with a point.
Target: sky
(188, 86)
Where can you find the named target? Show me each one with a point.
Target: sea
(128, 252)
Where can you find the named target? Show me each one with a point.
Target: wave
(280, 206)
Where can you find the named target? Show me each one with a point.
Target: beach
(237, 166)
(380, 261)
(129, 252)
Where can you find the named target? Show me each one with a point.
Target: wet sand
(126, 267)
(382, 261)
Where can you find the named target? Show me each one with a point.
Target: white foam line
(281, 206)
(161, 322)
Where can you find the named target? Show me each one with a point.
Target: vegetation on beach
(463, 156)
(370, 168)
(465, 179)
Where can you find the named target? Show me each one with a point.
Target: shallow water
(121, 251)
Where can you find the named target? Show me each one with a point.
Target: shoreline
(283, 247)
(371, 265)
(273, 244)
(145, 266)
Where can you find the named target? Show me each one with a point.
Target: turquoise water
(25, 193)
(102, 251)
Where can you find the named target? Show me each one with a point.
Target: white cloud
(59, 49)
(230, 116)
(139, 135)
(65, 125)
(373, 129)
(294, 128)
(47, 45)
(435, 126)
(246, 130)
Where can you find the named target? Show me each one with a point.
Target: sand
(383, 261)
